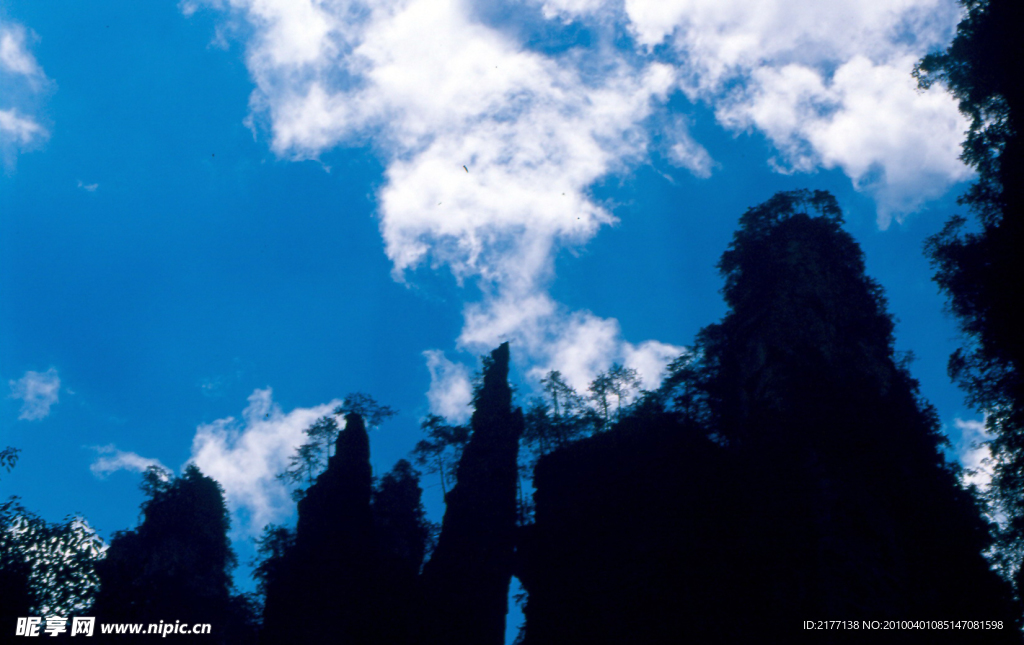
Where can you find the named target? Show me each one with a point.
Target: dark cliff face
(629, 540)
(465, 583)
(335, 512)
(357, 551)
(350, 574)
(331, 565)
(822, 493)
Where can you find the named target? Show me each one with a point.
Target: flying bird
(465, 168)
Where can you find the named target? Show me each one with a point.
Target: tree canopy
(979, 264)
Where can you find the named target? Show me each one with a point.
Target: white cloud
(490, 147)
(14, 56)
(24, 83)
(578, 344)
(90, 188)
(451, 391)
(490, 150)
(38, 391)
(245, 455)
(112, 460)
(650, 359)
(684, 152)
(894, 141)
(974, 456)
(18, 129)
(827, 82)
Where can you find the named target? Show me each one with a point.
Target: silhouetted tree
(303, 467)
(440, 451)
(399, 518)
(45, 568)
(176, 565)
(465, 583)
(561, 418)
(622, 381)
(324, 432)
(372, 412)
(979, 267)
(600, 391)
(273, 549)
(8, 457)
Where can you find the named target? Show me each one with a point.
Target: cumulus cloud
(828, 83)
(38, 391)
(451, 391)
(24, 83)
(578, 344)
(244, 456)
(895, 142)
(491, 146)
(112, 460)
(490, 150)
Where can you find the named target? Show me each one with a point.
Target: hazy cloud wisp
(24, 84)
(38, 392)
(111, 460)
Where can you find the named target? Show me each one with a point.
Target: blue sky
(218, 218)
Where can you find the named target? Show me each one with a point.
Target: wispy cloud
(244, 456)
(90, 188)
(38, 391)
(112, 460)
(14, 56)
(24, 84)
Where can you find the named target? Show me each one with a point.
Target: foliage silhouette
(45, 568)
(176, 565)
(312, 457)
(441, 450)
(372, 412)
(979, 267)
(8, 458)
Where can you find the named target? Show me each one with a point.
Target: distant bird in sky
(465, 168)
